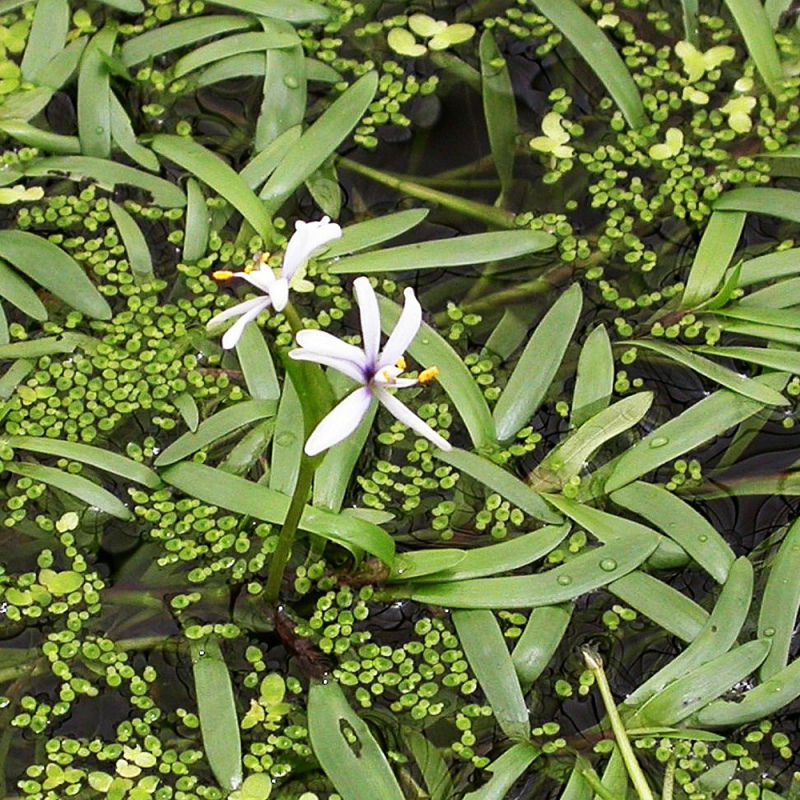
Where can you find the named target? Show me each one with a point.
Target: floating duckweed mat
(376, 385)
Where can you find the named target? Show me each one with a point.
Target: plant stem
(489, 215)
(669, 779)
(280, 558)
(595, 665)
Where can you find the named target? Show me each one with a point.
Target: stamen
(428, 375)
(250, 268)
(222, 275)
(401, 363)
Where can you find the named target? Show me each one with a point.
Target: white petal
(279, 294)
(263, 279)
(327, 344)
(339, 364)
(233, 334)
(409, 418)
(341, 422)
(403, 333)
(237, 311)
(308, 238)
(370, 318)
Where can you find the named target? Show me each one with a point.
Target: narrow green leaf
(569, 458)
(257, 365)
(690, 10)
(87, 454)
(35, 137)
(757, 33)
(25, 105)
(782, 203)
(505, 771)
(235, 44)
(198, 224)
(211, 169)
(511, 331)
(284, 100)
(759, 703)
(594, 380)
(432, 765)
(689, 694)
(264, 163)
(772, 333)
(287, 446)
(499, 480)
(585, 573)
(681, 523)
(541, 637)
(128, 6)
(176, 35)
(747, 387)
(135, 244)
(375, 231)
(216, 708)
(13, 376)
(123, 135)
(59, 70)
(424, 563)
(593, 45)
(701, 422)
(245, 497)
(780, 603)
(188, 410)
(47, 37)
(215, 427)
(14, 289)
(537, 366)
(780, 264)
(773, 358)
(779, 317)
(51, 267)
(301, 12)
(578, 788)
(238, 66)
(499, 108)
(430, 349)
(347, 760)
(320, 141)
(716, 249)
(108, 174)
(83, 489)
(667, 607)
(249, 448)
(456, 251)
(34, 348)
(481, 562)
(94, 96)
(717, 636)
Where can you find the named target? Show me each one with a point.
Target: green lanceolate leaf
(95, 456)
(701, 422)
(694, 691)
(716, 372)
(714, 253)
(774, 357)
(454, 252)
(17, 291)
(108, 174)
(124, 137)
(264, 163)
(320, 141)
(287, 446)
(537, 365)
(424, 563)
(375, 231)
(177, 35)
(780, 264)
(36, 137)
(593, 45)
(257, 365)
(220, 424)
(681, 523)
(780, 603)
(301, 12)
(505, 771)
(754, 26)
(541, 637)
(782, 203)
(94, 96)
(486, 651)
(570, 457)
(667, 607)
(195, 239)
(47, 37)
(51, 267)
(717, 636)
(83, 489)
(594, 380)
(430, 349)
(216, 709)
(345, 747)
(499, 480)
(499, 108)
(245, 497)
(135, 243)
(212, 170)
(584, 573)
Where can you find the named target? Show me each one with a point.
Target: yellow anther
(428, 375)
(250, 268)
(222, 275)
(401, 363)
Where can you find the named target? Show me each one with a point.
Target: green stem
(595, 665)
(593, 779)
(669, 779)
(280, 558)
(489, 215)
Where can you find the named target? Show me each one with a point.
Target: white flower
(376, 370)
(307, 239)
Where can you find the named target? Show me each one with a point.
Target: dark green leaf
(505, 772)
(35, 137)
(14, 289)
(94, 96)
(47, 37)
(195, 239)
(135, 244)
(375, 231)
(757, 33)
(541, 637)
(594, 380)
(782, 203)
